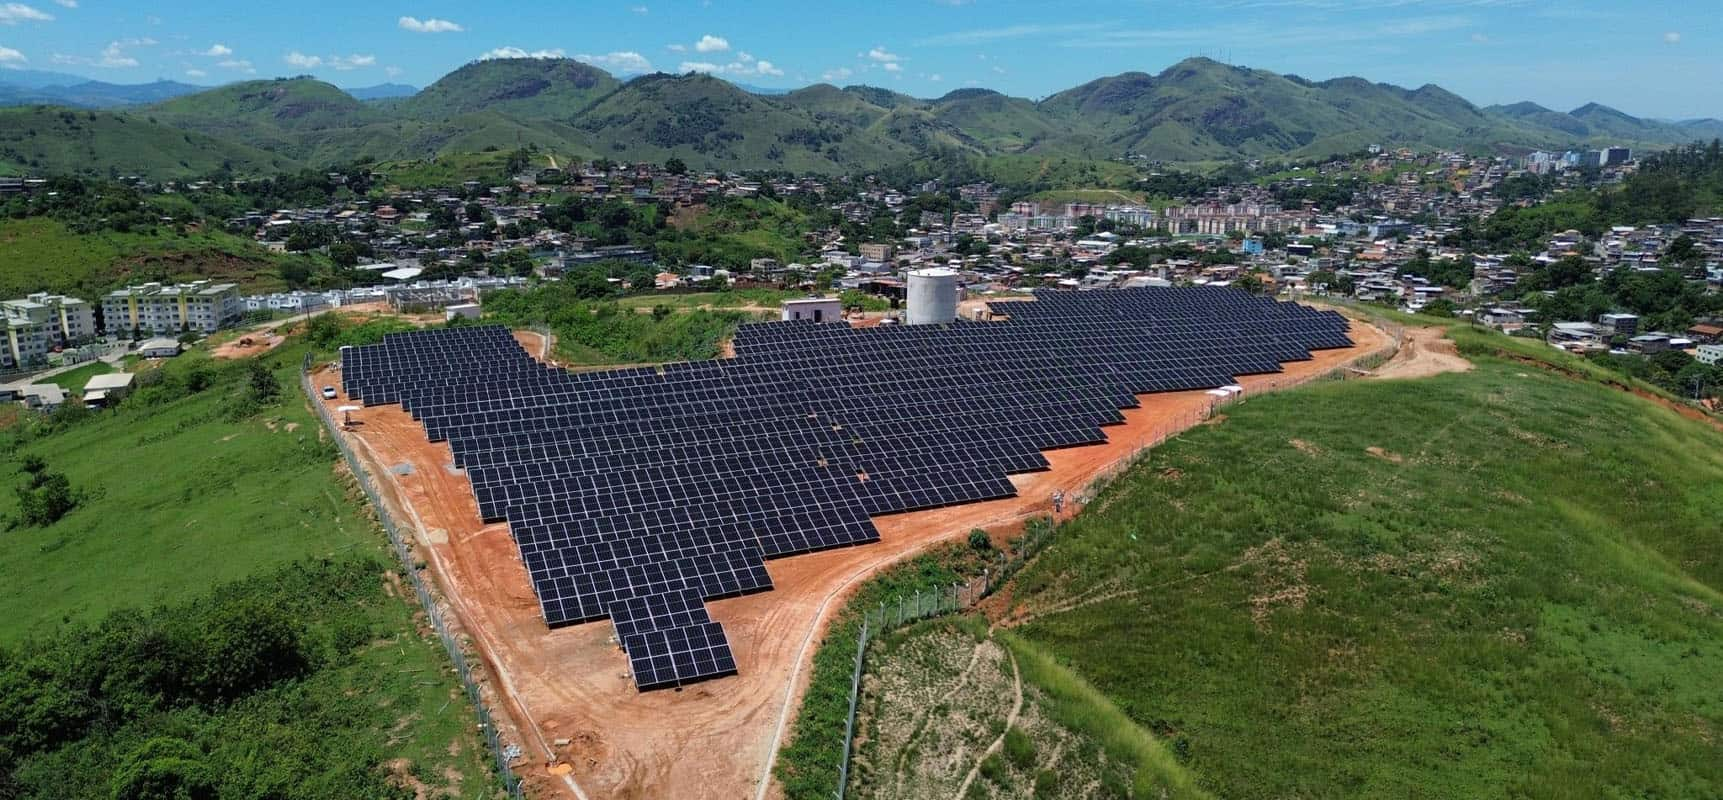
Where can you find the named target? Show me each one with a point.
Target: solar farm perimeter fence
(487, 724)
(958, 597)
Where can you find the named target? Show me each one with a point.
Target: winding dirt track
(585, 730)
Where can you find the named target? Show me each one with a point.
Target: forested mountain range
(1196, 110)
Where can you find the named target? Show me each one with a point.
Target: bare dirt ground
(1423, 352)
(586, 731)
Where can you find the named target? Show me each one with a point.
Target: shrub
(1019, 750)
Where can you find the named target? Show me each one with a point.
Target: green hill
(1197, 110)
(41, 254)
(290, 115)
(1500, 583)
(536, 88)
(39, 140)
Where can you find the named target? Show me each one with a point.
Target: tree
(44, 498)
(296, 272)
(323, 330)
(344, 254)
(477, 213)
(675, 166)
(261, 382)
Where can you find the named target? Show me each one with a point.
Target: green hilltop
(1197, 110)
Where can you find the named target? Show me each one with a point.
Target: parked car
(328, 393)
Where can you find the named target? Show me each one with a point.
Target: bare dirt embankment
(1423, 352)
(585, 729)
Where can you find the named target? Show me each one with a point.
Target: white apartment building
(41, 322)
(155, 308)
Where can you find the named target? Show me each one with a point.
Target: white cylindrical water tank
(932, 297)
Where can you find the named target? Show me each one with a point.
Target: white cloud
(393, 72)
(196, 73)
(881, 55)
(893, 66)
(217, 50)
(640, 10)
(936, 77)
(1011, 32)
(66, 3)
(10, 56)
(756, 68)
(417, 25)
(621, 61)
(516, 52)
(338, 63)
(14, 13)
(352, 62)
(836, 74)
(712, 44)
(1672, 38)
(676, 48)
(238, 65)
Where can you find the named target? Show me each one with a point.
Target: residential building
(199, 306)
(38, 324)
(1711, 354)
(816, 309)
(873, 251)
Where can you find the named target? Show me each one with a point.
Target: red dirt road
(716, 739)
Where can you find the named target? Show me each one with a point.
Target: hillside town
(1384, 227)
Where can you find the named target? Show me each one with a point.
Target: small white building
(104, 390)
(464, 311)
(1709, 354)
(816, 309)
(159, 347)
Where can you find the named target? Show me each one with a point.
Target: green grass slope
(39, 140)
(41, 254)
(1503, 583)
(177, 499)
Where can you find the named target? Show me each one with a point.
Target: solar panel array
(638, 494)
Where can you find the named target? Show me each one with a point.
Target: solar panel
(638, 494)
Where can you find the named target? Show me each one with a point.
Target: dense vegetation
(243, 692)
(1526, 604)
(225, 628)
(593, 332)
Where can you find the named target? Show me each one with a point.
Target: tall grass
(1081, 707)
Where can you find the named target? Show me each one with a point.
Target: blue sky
(1652, 57)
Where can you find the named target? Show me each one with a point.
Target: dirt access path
(1423, 352)
(585, 729)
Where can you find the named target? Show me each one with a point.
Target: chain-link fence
(487, 724)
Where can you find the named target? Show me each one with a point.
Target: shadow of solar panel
(637, 494)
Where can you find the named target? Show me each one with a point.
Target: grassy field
(180, 499)
(1503, 583)
(185, 510)
(737, 298)
(73, 380)
(41, 254)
